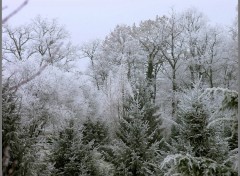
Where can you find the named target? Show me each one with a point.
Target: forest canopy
(157, 98)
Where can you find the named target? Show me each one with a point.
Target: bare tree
(194, 26)
(43, 41)
(150, 35)
(172, 51)
(90, 50)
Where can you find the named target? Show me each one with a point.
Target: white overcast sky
(90, 19)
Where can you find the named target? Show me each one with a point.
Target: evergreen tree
(12, 143)
(199, 150)
(21, 147)
(61, 151)
(136, 151)
(230, 102)
(225, 119)
(71, 156)
(96, 131)
(142, 102)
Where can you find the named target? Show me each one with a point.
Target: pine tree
(199, 150)
(96, 131)
(230, 102)
(71, 156)
(61, 151)
(226, 119)
(143, 103)
(21, 147)
(136, 151)
(12, 144)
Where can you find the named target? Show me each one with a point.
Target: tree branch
(37, 73)
(14, 12)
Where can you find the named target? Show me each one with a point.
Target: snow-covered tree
(137, 148)
(12, 143)
(133, 152)
(95, 131)
(199, 150)
(40, 43)
(71, 156)
(139, 83)
(227, 121)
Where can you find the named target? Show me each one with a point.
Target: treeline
(158, 98)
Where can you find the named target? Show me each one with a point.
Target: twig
(14, 12)
(29, 79)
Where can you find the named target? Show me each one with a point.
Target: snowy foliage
(206, 150)
(157, 98)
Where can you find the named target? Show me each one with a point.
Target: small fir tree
(136, 151)
(71, 156)
(199, 150)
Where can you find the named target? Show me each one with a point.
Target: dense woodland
(158, 98)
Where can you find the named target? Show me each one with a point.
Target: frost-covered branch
(42, 68)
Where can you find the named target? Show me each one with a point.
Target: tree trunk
(192, 76)
(174, 89)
